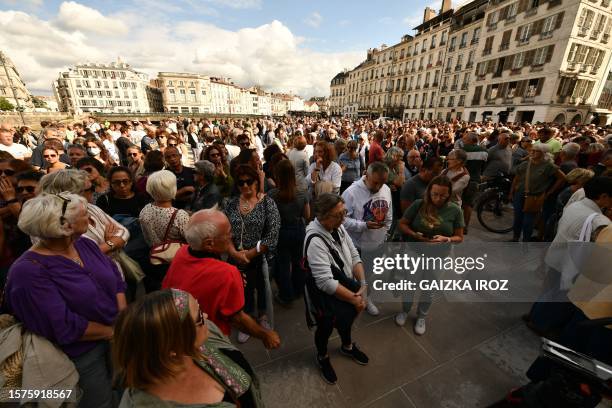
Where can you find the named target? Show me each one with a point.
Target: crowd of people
(146, 243)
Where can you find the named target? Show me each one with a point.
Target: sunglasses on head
(64, 207)
(22, 189)
(7, 172)
(245, 182)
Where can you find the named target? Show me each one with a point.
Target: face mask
(93, 151)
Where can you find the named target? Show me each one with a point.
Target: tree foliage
(5, 105)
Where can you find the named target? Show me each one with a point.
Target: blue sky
(338, 32)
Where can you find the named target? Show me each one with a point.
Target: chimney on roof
(428, 14)
(446, 5)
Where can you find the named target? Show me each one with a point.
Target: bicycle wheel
(495, 215)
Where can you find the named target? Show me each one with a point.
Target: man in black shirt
(185, 177)
(207, 194)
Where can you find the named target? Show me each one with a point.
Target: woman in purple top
(66, 290)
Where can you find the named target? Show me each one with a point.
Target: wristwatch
(111, 244)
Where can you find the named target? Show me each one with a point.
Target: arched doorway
(576, 119)
(559, 119)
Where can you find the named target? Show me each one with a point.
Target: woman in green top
(168, 354)
(434, 219)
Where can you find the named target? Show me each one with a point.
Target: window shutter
(518, 33)
(559, 20)
(508, 61)
(522, 6)
(503, 90)
(506, 37)
(529, 58)
(521, 87)
(504, 13)
(491, 66)
(488, 92)
(540, 86)
(489, 17)
(537, 27)
(549, 55)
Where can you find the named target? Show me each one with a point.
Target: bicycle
(494, 206)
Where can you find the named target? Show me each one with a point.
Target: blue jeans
(523, 222)
(288, 272)
(95, 377)
(423, 306)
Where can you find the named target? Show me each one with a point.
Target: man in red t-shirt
(376, 151)
(217, 285)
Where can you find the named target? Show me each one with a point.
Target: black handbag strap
(333, 252)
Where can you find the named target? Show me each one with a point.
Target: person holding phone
(369, 209)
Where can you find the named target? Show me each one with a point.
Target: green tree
(38, 103)
(5, 105)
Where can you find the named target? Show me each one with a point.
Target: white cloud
(314, 19)
(269, 55)
(27, 3)
(416, 18)
(77, 17)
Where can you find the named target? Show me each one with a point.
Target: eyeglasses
(172, 144)
(201, 319)
(245, 182)
(49, 156)
(133, 154)
(23, 189)
(121, 182)
(64, 207)
(7, 172)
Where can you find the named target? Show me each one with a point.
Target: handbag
(533, 203)
(131, 270)
(165, 252)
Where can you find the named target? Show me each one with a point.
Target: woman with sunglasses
(255, 225)
(433, 219)
(66, 290)
(223, 180)
(52, 160)
(122, 198)
(174, 140)
(188, 361)
(96, 172)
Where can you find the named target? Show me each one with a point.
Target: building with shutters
(541, 61)
(338, 94)
(184, 92)
(499, 60)
(107, 88)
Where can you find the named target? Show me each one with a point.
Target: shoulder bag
(533, 203)
(165, 252)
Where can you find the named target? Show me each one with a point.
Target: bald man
(217, 285)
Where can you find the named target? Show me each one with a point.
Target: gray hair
(161, 185)
(41, 216)
(541, 147)
(459, 154)
(325, 202)
(392, 152)
(378, 167)
(206, 169)
(196, 233)
(571, 150)
(70, 180)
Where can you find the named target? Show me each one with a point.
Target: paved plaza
(471, 355)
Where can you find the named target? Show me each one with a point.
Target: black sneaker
(327, 371)
(356, 354)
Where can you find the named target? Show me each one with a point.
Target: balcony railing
(475, 41)
(444, 88)
(605, 38)
(425, 86)
(492, 27)
(469, 65)
(417, 87)
(486, 51)
(458, 68)
(504, 46)
(462, 45)
(546, 35)
(510, 20)
(583, 31)
(447, 70)
(451, 49)
(531, 12)
(453, 88)
(464, 87)
(435, 84)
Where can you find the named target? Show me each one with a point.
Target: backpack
(318, 304)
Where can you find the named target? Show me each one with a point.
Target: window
(477, 95)
(549, 24)
(463, 40)
(488, 45)
(476, 36)
(172, 95)
(512, 10)
(519, 60)
(453, 42)
(532, 88)
(433, 41)
(524, 33)
(540, 56)
(451, 101)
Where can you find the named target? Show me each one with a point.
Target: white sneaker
(400, 318)
(243, 337)
(372, 309)
(419, 326)
(265, 323)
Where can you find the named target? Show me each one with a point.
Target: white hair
(544, 148)
(196, 233)
(571, 149)
(41, 216)
(161, 185)
(70, 180)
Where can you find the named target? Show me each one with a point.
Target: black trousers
(325, 327)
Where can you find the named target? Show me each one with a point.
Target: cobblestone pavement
(470, 356)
